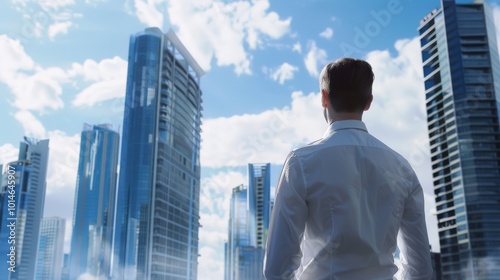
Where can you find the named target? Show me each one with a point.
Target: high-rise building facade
(259, 202)
(21, 208)
(157, 217)
(238, 229)
(65, 267)
(461, 74)
(92, 235)
(249, 215)
(50, 249)
(436, 266)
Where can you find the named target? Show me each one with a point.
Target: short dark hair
(348, 82)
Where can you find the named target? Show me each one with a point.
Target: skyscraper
(65, 267)
(249, 215)
(92, 235)
(157, 217)
(259, 202)
(50, 249)
(461, 74)
(23, 208)
(238, 229)
(436, 266)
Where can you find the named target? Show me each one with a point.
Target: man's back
(342, 199)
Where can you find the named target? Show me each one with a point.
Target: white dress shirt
(340, 202)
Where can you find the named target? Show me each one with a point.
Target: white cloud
(106, 69)
(211, 264)
(40, 90)
(63, 161)
(88, 276)
(214, 229)
(264, 137)
(215, 191)
(69, 225)
(55, 5)
(219, 30)
(399, 92)
(94, 2)
(59, 28)
(61, 178)
(109, 77)
(8, 153)
(13, 58)
(22, 2)
(147, 12)
(284, 73)
(496, 19)
(214, 215)
(327, 33)
(55, 17)
(315, 58)
(31, 125)
(99, 92)
(297, 47)
(36, 91)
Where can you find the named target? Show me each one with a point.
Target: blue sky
(63, 63)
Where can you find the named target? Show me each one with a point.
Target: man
(340, 201)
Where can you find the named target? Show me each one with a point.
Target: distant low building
(65, 267)
(50, 249)
(249, 215)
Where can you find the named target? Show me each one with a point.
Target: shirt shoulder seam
(301, 173)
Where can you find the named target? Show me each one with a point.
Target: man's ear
(324, 99)
(369, 103)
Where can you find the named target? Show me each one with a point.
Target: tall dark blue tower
(462, 80)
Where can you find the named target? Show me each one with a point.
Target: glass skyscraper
(238, 229)
(157, 218)
(25, 209)
(92, 235)
(461, 72)
(249, 215)
(50, 249)
(259, 202)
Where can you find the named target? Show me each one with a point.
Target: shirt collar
(345, 124)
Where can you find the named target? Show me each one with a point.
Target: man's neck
(343, 116)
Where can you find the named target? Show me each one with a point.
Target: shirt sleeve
(413, 241)
(286, 228)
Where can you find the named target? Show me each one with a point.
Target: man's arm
(286, 228)
(413, 241)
